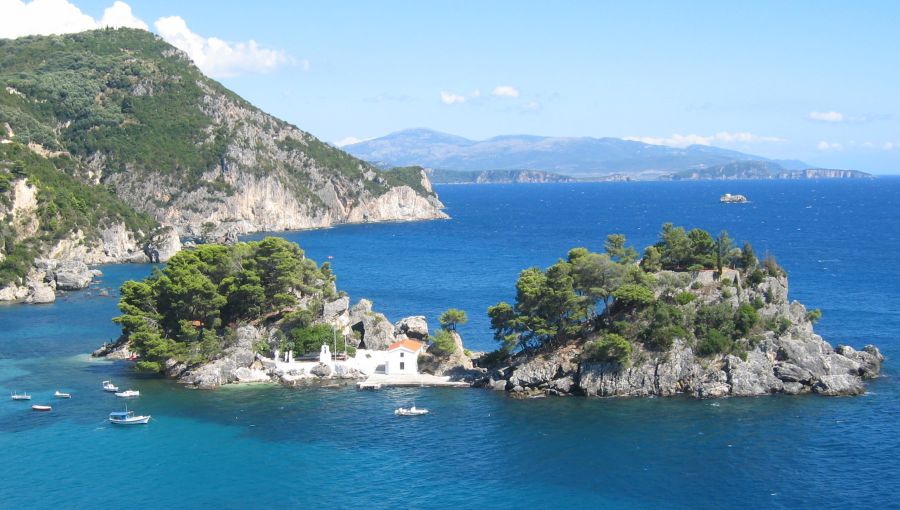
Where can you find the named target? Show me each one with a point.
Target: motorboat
(127, 417)
(59, 394)
(110, 387)
(412, 411)
(20, 396)
(37, 407)
(128, 393)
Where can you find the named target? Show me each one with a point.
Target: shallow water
(262, 446)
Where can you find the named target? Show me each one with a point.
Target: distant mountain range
(582, 157)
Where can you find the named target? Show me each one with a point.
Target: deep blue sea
(265, 446)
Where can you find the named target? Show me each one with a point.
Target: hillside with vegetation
(696, 315)
(122, 113)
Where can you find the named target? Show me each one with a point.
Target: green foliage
(179, 312)
(407, 176)
(714, 342)
(452, 318)
(683, 298)
(443, 344)
(617, 251)
(64, 205)
(631, 295)
(745, 319)
(608, 348)
(814, 315)
(310, 339)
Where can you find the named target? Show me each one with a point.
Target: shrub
(609, 348)
(696, 285)
(814, 315)
(442, 343)
(715, 342)
(745, 319)
(758, 303)
(633, 295)
(683, 298)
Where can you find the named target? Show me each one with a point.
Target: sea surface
(266, 446)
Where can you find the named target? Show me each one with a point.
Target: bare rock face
(374, 329)
(457, 364)
(71, 274)
(415, 327)
(163, 245)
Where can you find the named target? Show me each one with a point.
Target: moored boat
(20, 396)
(59, 394)
(128, 394)
(110, 387)
(412, 411)
(38, 407)
(127, 417)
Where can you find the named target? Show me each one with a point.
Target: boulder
(374, 330)
(321, 370)
(544, 368)
(336, 313)
(40, 294)
(836, 385)
(72, 275)
(789, 372)
(415, 327)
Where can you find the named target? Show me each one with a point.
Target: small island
(728, 198)
(695, 315)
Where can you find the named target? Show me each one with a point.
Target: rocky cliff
(125, 134)
(792, 360)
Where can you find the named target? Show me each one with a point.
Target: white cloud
(119, 15)
(216, 57)
(505, 91)
(45, 17)
(723, 137)
(213, 56)
(451, 98)
(889, 146)
(829, 146)
(827, 116)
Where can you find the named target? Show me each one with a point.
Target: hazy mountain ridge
(579, 157)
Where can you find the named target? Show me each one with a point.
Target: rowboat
(128, 394)
(127, 417)
(59, 394)
(412, 411)
(20, 396)
(37, 407)
(110, 387)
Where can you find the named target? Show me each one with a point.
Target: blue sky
(816, 81)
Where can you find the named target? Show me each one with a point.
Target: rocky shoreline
(792, 362)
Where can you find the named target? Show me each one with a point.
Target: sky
(816, 81)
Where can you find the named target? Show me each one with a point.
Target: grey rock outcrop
(415, 327)
(457, 364)
(228, 368)
(374, 329)
(794, 361)
(70, 274)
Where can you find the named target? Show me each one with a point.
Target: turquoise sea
(266, 447)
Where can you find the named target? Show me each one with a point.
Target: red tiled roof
(412, 345)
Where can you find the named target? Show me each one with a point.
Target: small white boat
(37, 407)
(110, 387)
(128, 394)
(20, 396)
(412, 411)
(127, 417)
(59, 394)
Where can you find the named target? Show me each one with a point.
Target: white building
(403, 357)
